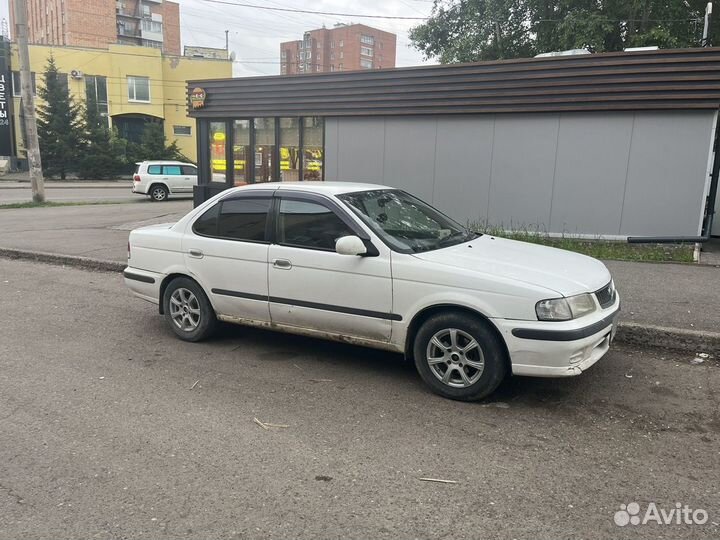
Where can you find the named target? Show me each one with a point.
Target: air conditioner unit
(75, 74)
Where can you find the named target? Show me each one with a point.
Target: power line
(310, 12)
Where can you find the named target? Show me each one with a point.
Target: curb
(647, 335)
(65, 260)
(627, 332)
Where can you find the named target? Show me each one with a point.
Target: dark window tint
(189, 171)
(207, 223)
(310, 225)
(173, 170)
(244, 219)
(154, 169)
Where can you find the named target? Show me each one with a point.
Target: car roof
(163, 162)
(326, 188)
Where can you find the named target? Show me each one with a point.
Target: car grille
(606, 295)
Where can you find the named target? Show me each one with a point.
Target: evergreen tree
(103, 153)
(153, 145)
(60, 128)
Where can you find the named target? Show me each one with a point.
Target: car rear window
(154, 169)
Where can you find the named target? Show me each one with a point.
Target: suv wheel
(459, 356)
(158, 193)
(188, 310)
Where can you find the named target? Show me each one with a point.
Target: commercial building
(346, 47)
(100, 23)
(132, 87)
(613, 145)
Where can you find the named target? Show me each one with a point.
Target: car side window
(206, 224)
(309, 225)
(189, 171)
(172, 170)
(244, 219)
(154, 169)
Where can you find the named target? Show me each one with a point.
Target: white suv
(160, 179)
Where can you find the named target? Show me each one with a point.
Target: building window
(283, 54)
(241, 152)
(264, 149)
(341, 43)
(96, 90)
(342, 55)
(152, 26)
(381, 45)
(146, 11)
(366, 51)
(340, 67)
(312, 150)
(184, 131)
(332, 44)
(218, 166)
(139, 89)
(289, 149)
(16, 83)
(332, 67)
(368, 40)
(332, 56)
(366, 64)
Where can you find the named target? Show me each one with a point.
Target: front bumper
(549, 349)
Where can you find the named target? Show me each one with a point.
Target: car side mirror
(350, 245)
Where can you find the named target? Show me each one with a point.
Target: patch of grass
(49, 204)
(599, 247)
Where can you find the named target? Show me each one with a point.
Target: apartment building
(100, 23)
(345, 47)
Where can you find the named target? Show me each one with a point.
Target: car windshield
(405, 223)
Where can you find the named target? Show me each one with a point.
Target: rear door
(311, 286)
(226, 249)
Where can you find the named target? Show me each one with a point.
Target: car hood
(563, 271)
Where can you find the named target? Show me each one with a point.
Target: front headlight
(565, 309)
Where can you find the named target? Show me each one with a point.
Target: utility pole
(706, 28)
(32, 145)
(227, 42)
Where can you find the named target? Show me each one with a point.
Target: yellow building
(132, 85)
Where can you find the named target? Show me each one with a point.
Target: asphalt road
(120, 192)
(112, 428)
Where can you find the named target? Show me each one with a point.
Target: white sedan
(375, 266)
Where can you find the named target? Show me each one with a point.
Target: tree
(471, 30)
(104, 151)
(153, 145)
(60, 128)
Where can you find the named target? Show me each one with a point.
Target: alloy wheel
(184, 309)
(455, 358)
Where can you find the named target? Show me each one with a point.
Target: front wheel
(188, 310)
(459, 356)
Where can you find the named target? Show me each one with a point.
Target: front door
(226, 250)
(313, 287)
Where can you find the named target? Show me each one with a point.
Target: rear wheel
(188, 310)
(158, 193)
(459, 356)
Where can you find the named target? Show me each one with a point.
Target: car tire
(459, 356)
(188, 310)
(158, 193)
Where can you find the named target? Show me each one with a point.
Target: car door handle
(282, 264)
(195, 253)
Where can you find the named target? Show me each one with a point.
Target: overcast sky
(255, 34)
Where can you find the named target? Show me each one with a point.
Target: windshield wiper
(466, 237)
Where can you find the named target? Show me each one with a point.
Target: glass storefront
(265, 149)
(218, 165)
(241, 152)
(289, 149)
(313, 148)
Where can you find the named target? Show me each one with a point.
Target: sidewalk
(78, 184)
(669, 305)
